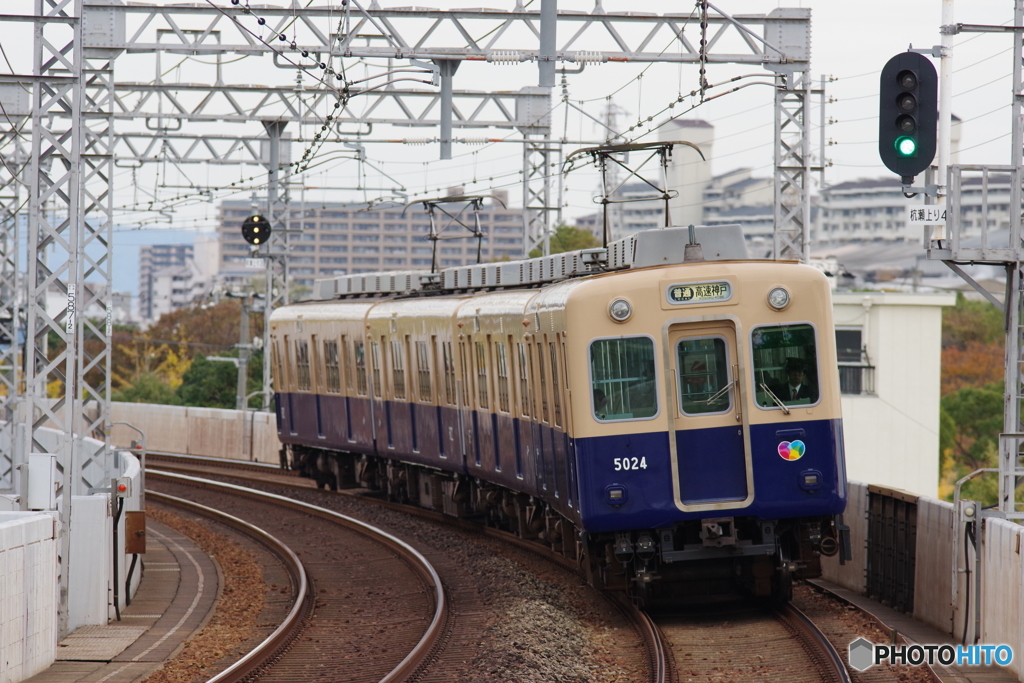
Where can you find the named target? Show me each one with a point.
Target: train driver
(797, 387)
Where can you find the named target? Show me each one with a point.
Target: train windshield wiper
(775, 398)
(720, 392)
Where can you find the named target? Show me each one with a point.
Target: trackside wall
(1002, 598)
(213, 432)
(938, 543)
(28, 602)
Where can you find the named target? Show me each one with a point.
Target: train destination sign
(703, 292)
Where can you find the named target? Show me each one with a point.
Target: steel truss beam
(415, 33)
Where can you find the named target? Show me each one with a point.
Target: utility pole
(244, 346)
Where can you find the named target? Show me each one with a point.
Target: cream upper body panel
(586, 311)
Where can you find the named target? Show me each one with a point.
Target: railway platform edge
(174, 600)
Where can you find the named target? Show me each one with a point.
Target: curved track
(739, 640)
(807, 654)
(325, 607)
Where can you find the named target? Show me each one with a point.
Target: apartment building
(350, 238)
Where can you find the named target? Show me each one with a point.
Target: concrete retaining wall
(852, 575)
(239, 435)
(933, 566)
(1002, 596)
(28, 599)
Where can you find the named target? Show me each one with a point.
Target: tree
(568, 238)
(209, 384)
(969, 426)
(147, 388)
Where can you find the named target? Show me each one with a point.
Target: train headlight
(778, 298)
(620, 310)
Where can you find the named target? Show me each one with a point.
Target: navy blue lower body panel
(711, 468)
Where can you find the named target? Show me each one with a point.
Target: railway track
(352, 569)
(738, 640)
(669, 641)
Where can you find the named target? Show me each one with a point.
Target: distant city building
(152, 258)
(176, 287)
(349, 238)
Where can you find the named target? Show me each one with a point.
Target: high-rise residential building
(350, 238)
(153, 258)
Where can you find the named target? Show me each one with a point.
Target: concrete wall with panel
(234, 434)
(28, 601)
(892, 433)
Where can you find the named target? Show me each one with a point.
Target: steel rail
(643, 624)
(281, 638)
(799, 622)
(421, 652)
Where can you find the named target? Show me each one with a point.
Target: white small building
(890, 360)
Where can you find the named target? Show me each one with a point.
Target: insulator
(417, 141)
(474, 141)
(589, 57)
(504, 57)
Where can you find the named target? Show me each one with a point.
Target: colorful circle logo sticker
(792, 450)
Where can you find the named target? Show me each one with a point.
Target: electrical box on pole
(256, 230)
(908, 114)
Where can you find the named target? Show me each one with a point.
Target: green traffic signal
(906, 147)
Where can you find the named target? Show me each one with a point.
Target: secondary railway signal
(908, 114)
(256, 229)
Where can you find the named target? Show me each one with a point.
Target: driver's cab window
(785, 365)
(703, 376)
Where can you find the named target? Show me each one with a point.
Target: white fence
(938, 539)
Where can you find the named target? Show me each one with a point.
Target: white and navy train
(669, 417)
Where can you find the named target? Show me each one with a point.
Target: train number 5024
(629, 464)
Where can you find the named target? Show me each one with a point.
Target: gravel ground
(237, 610)
(542, 625)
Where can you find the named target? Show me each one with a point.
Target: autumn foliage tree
(971, 409)
(153, 366)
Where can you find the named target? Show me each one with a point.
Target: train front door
(712, 464)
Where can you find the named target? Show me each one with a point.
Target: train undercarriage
(692, 560)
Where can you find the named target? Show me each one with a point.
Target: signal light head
(907, 102)
(906, 124)
(906, 147)
(255, 230)
(907, 79)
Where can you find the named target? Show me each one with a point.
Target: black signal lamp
(908, 114)
(256, 230)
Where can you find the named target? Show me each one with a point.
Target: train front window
(703, 376)
(785, 365)
(622, 377)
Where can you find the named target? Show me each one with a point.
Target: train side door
(712, 454)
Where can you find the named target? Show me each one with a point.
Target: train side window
(524, 381)
(703, 376)
(398, 369)
(275, 360)
(423, 370)
(622, 378)
(501, 367)
(316, 370)
(785, 365)
(481, 374)
(331, 368)
(543, 382)
(464, 369)
(302, 364)
(346, 364)
(449, 373)
(375, 367)
(359, 350)
(555, 395)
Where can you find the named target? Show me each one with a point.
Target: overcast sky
(850, 43)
